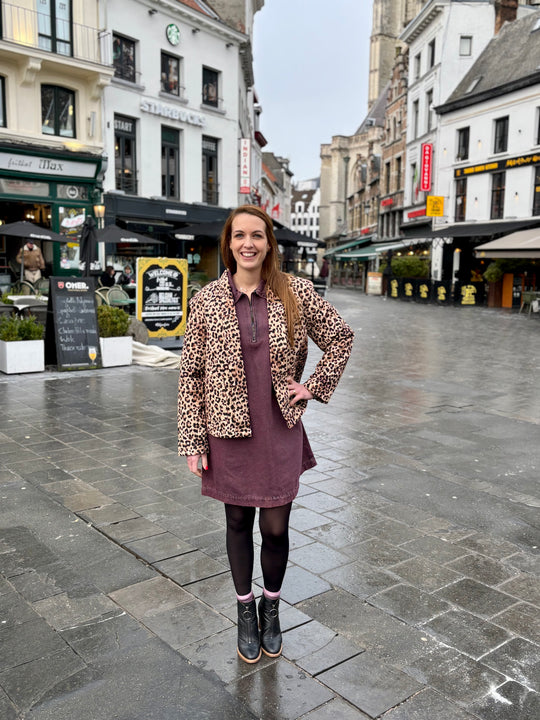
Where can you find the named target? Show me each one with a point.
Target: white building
(305, 204)
(489, 169)
(180, 115)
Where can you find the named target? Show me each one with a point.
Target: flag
(275, 211)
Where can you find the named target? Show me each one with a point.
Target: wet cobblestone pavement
(413, 589)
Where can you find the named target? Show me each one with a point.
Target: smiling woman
(240, 397)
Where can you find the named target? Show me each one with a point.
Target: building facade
(305, 201)
(54, 66)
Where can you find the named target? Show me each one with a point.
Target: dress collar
(260, 290)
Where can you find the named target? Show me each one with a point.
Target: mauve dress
(262, 470)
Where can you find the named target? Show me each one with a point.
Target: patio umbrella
(115, 235)
(208, 229)
(29, 231)
(88, 248)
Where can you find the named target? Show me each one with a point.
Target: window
(398, 173)
(387, 177)
(125, 165)
(417, 65)
(497, 195)
(210, 87)
(124, 58)
(538, 126)
(415, 187)
(429, 110)
(463, 144)
(57, 111)
(210, 188)
(465, 45)
(415, 112)
(461, 199)
(3, 119)
(170, 166)
(170, 74)
(536, 202)
(501, 135)
(431, 54)
(54, 26)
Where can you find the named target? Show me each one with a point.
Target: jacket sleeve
(41, 260)
(192, 434)
(332, 335)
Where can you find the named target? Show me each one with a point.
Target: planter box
(116, 351)
(22, 356)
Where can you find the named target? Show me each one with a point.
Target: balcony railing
(35, 30)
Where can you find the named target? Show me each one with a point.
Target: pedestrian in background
(107, 276)
(240, 403)
(33, 261)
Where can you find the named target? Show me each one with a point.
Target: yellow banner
(434, 206)
(162, 295)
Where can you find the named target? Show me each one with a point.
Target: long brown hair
(276, 280)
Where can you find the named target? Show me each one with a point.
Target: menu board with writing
(72, 340)
(162, 295)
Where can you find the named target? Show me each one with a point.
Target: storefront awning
(521, 244)
(357, 255)
(398, 244)
(357, 242)
(473, 229)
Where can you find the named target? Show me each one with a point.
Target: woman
(240, 402)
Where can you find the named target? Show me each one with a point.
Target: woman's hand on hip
(297, 392)
(193, 463)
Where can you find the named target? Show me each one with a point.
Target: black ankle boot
(249, 645)
(271, 638)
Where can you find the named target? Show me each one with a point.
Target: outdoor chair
(102, 296)
(42, 286)
(527, 299)
(22, 287)
(119, 297)
(38, 311)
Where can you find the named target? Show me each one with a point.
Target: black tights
(274, 527)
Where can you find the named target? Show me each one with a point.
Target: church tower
(389, 19)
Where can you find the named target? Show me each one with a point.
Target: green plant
(493, 273)
(14, 328)
(497, 269)
(6, 300)
(410, 266)
(112, 321)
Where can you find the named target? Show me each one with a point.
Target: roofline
(425, 17)
(527, 81)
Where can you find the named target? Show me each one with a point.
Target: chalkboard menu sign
(72, 340)
(162, 295)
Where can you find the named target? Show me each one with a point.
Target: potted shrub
(22, 348)
(115, 343)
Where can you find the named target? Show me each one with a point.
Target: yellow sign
(434, 206)
(162, 295)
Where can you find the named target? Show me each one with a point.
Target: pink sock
(245, 598)
(271, 595)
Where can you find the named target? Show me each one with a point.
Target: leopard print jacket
(212, 390)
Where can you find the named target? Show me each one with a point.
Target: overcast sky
(311, 64)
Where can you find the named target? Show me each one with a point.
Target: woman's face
(249, 244)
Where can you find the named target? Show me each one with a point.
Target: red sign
(365, 231)
(245, 166)
(417, 213)
(427, 163)
(387, 201)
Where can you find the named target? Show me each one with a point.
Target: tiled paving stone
(116, 571)
(466, 632)
(14, 610)
(97, 639)
(424, 574)
(394, 532)
(138, 497)
(118, 485)
(354, 514)
(108, 514)
(524, 562)
(279, 691)
(306, 639)
(519, 660)
(525, 587)
(369, 685)
(129, 530)
(360, 579)
(190, 568)
(150, 597)
(510, 701)
(476, 598)
(26, 642)
(158, 547)
(489, 545)
(187, 623)
(522, 619)
(454, 675)
(485, 570)
(21, 551)
(26, 684)
(217, 592)
(319, 502)
(302, 519)
(318, 558)
(336, 709)
(299, 584)
(62, 611)
(7, 710)
(428, 705)
(189, 525)
(435, 549)
(163, 509)
(409, 604)
(340, 536)
(338, 650)
(379, 553)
